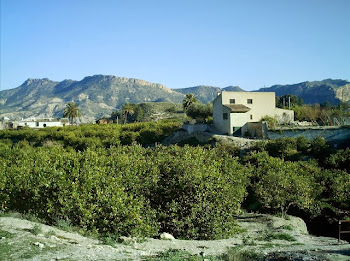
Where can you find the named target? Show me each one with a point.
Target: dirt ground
(25, 240)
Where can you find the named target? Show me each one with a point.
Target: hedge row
(130, 190)
(95, 136)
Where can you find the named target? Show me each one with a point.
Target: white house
(232, 111)
(41, 123)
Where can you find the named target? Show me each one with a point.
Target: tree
(71, 112)
(198, 110)
(279, 184)
(188, 100)
(127, 109)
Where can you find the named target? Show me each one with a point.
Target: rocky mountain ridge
(330, 90)
(99, 95)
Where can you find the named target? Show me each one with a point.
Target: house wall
(39, 124)
(284, 116)
(263, 103)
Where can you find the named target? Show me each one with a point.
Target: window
(37, 124)
(250, 101)
(225, 116)
(232, 101)
(44, 125)
(251, 116)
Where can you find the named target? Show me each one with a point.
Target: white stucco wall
(39, 124)
(263, 103)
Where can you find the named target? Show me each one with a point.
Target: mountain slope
(330, 90)
(96, 96)
(207, 93)
(100, 95)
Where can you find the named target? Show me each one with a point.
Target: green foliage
(285, 148)
(271, 121)
(283, 101)
(199, 110)
(71, 112)
(196, 200)
(36, 229)
(130, 190)
(238, 254)
(178, 255)
(279, 184)
(188, 100)
(269, 236)
(92, 135)
(339, 160)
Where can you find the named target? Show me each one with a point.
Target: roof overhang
(237, 108)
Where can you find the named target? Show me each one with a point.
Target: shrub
(198, 192)
(279, 184)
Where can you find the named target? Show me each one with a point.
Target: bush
(279, 184)
(339, 160)
(126, 190)
(198, 192)
(199, 110)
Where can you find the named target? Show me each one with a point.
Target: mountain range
(99, 95)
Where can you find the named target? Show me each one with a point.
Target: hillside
(207, 93)
(330, 90)
(97, 96)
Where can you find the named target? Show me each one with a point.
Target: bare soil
(273, 236)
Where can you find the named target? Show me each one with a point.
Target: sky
(178, 43)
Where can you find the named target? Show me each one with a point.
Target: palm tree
(127, 109)
(188, 100)
(71, 112)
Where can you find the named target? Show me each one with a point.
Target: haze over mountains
(100, 95)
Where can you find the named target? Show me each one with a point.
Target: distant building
(232, 111)
(40, 123)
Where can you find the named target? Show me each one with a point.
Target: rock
(39, 244)
(167, 236)
(128, 240)
(54, 238)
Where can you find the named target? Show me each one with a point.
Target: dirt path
(25, 240)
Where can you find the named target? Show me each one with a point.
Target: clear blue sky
(178, 43)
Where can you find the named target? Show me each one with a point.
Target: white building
(41, 123)
(232, 111)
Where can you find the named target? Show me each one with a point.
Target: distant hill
(207, 93)
(99, 95)
(330, 90)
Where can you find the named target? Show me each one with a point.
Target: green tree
(127, 109)
(198, 110)
(279, 184)
(188, 100)
(71, 112)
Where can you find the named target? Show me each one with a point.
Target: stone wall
(337, 136)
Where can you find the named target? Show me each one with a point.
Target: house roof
(237, 107)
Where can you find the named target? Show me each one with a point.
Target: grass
(268, 236)
(237, 254)
(6, 234)
(64, 225)
(248, 241)
(50, 233)
(179, 255)
(36, 230)
(287, 227)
